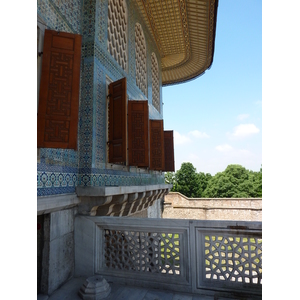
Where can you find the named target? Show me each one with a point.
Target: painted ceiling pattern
(184, 31)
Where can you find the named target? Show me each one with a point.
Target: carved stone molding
(118, 201)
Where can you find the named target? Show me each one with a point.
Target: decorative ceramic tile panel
(101, 17)
(71, 12)
(86, 114)
(53, 180)
(54, 19)
(107, 177)
(99, 135)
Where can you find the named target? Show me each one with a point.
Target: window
(117, 31)
(140, 59)
(155, 82)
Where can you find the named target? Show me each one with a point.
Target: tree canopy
(234, 182)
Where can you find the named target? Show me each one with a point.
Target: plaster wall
(178, 206)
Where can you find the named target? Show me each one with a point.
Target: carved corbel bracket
(118, 201)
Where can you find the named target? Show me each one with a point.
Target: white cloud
(198, 134)
(258, 103)
(224, 148)
(244, 130)
(180, 139)
(242, 117)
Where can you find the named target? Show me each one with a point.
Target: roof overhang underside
(184, 32)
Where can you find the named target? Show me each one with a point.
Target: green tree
(187, 181)
(257, 183)
(234, 182)
(203, 181)
(170, 179)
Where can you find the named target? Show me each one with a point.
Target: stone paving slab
(126, 292)
(158, 295)
(42, 297)
(69, 291)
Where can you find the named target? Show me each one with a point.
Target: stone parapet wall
(178, 206)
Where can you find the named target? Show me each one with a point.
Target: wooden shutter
(57, 119)
(117, 122)
(169, 151)
(138, 143)
(157, 156)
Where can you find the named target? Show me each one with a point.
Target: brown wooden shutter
(117, 122)
(157, 156)
(169, 151)
(57, 119)
(138, 143)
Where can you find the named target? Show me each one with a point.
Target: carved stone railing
(192, 256)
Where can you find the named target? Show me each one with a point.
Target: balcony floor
(121, 292)
(70, 289)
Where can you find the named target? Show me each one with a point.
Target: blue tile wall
(60, 171)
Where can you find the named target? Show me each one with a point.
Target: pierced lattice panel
(140, 59)
(117, 31)
(233, 258)
(155, 82)
(143, 251)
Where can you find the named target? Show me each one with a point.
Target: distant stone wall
(177, 206)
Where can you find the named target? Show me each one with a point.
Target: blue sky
(217, 118)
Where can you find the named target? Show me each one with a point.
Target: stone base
(94, 288)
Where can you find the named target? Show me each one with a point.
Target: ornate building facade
(102, 148)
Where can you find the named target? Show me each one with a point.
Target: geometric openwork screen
(233, 258)
(140, 59)
(117, 31)
(139, 251)
(155, 82)
(194, 256)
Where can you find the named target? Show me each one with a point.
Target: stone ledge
(48, 204)
(90, 191)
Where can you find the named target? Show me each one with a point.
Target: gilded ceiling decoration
(184, 31)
